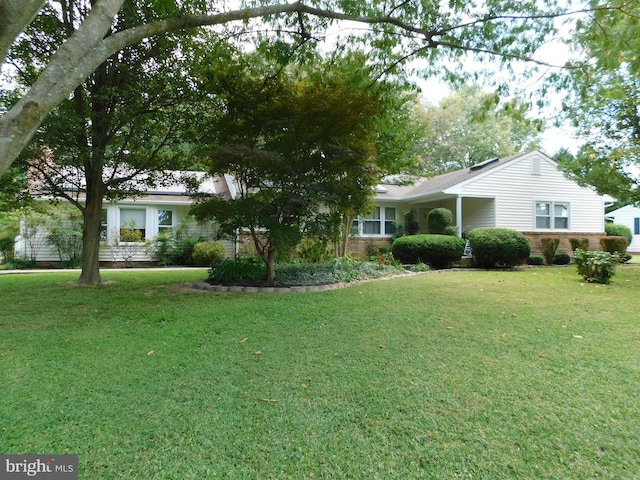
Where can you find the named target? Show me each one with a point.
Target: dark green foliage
(617, 230)
(205, 253)
(535, 260)
(596, 267)
(237, 270)
(581, 243)
(438, 251)
(438, 219)
(549, 248)
(411, 225)
(562, 259)
(498, 247)
(613, 244)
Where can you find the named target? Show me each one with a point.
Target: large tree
(298, 141)
(471, 126)
(119, 129)
(604, 104)
(504, 29)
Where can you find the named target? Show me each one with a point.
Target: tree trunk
(271, 266)
(92, 215)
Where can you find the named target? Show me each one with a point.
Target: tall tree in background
(471, 126)
(117, 132)
(298, 140)
(605, 102)
(506, 30)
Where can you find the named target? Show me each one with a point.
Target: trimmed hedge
(437, 251)
(613, 244)
(617, 230)
(438, 219)
(498, 247)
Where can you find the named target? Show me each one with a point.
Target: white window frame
(146, 222)
(553, 218)
(379, 216)
(161, 228)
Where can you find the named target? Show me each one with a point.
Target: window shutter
(636, 226)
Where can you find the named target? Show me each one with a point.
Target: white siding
(478, 212)
(625, 216)
(516, 189)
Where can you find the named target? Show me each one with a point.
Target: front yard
(455, 374)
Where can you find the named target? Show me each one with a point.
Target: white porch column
(459, 215)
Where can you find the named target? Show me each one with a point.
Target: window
(165, 221)
(379, 222)
(536, 168)
(103, 225)
(133, 224)
(552, 216)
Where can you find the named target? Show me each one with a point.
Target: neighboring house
(628, 216)
(525, 192)
(158, 210)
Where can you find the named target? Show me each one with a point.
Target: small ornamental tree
(297, 144)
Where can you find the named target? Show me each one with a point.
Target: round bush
(498, 247)
(535, 260)
(205, 253)
(562, 259)
(438, 251)
(617, 230)
(438, 219)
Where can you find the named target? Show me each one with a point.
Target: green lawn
(466, 374)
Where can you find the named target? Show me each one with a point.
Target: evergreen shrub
(205, 253)
(562, 259)
(581, 243)
(549, 248)
(438, 251)
(535, 260)
(237, 269)
(613, 244)
(617, 230)
(438, 219)
(498, 247)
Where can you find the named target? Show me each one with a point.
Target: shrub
(438, 251)
(596, 267)
(614, 244)
(617, 230)
(205, 253)
(438, 219)
(312, 250)
(581, 243)
(535, 260)
(498, 247)
(237, 269)
(549, 248)
(562, 259)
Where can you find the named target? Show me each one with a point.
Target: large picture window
(552, 215)
(133, 224)
(380, 222)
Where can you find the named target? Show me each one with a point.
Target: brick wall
(565, 246)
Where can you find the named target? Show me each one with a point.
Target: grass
(467, 374)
